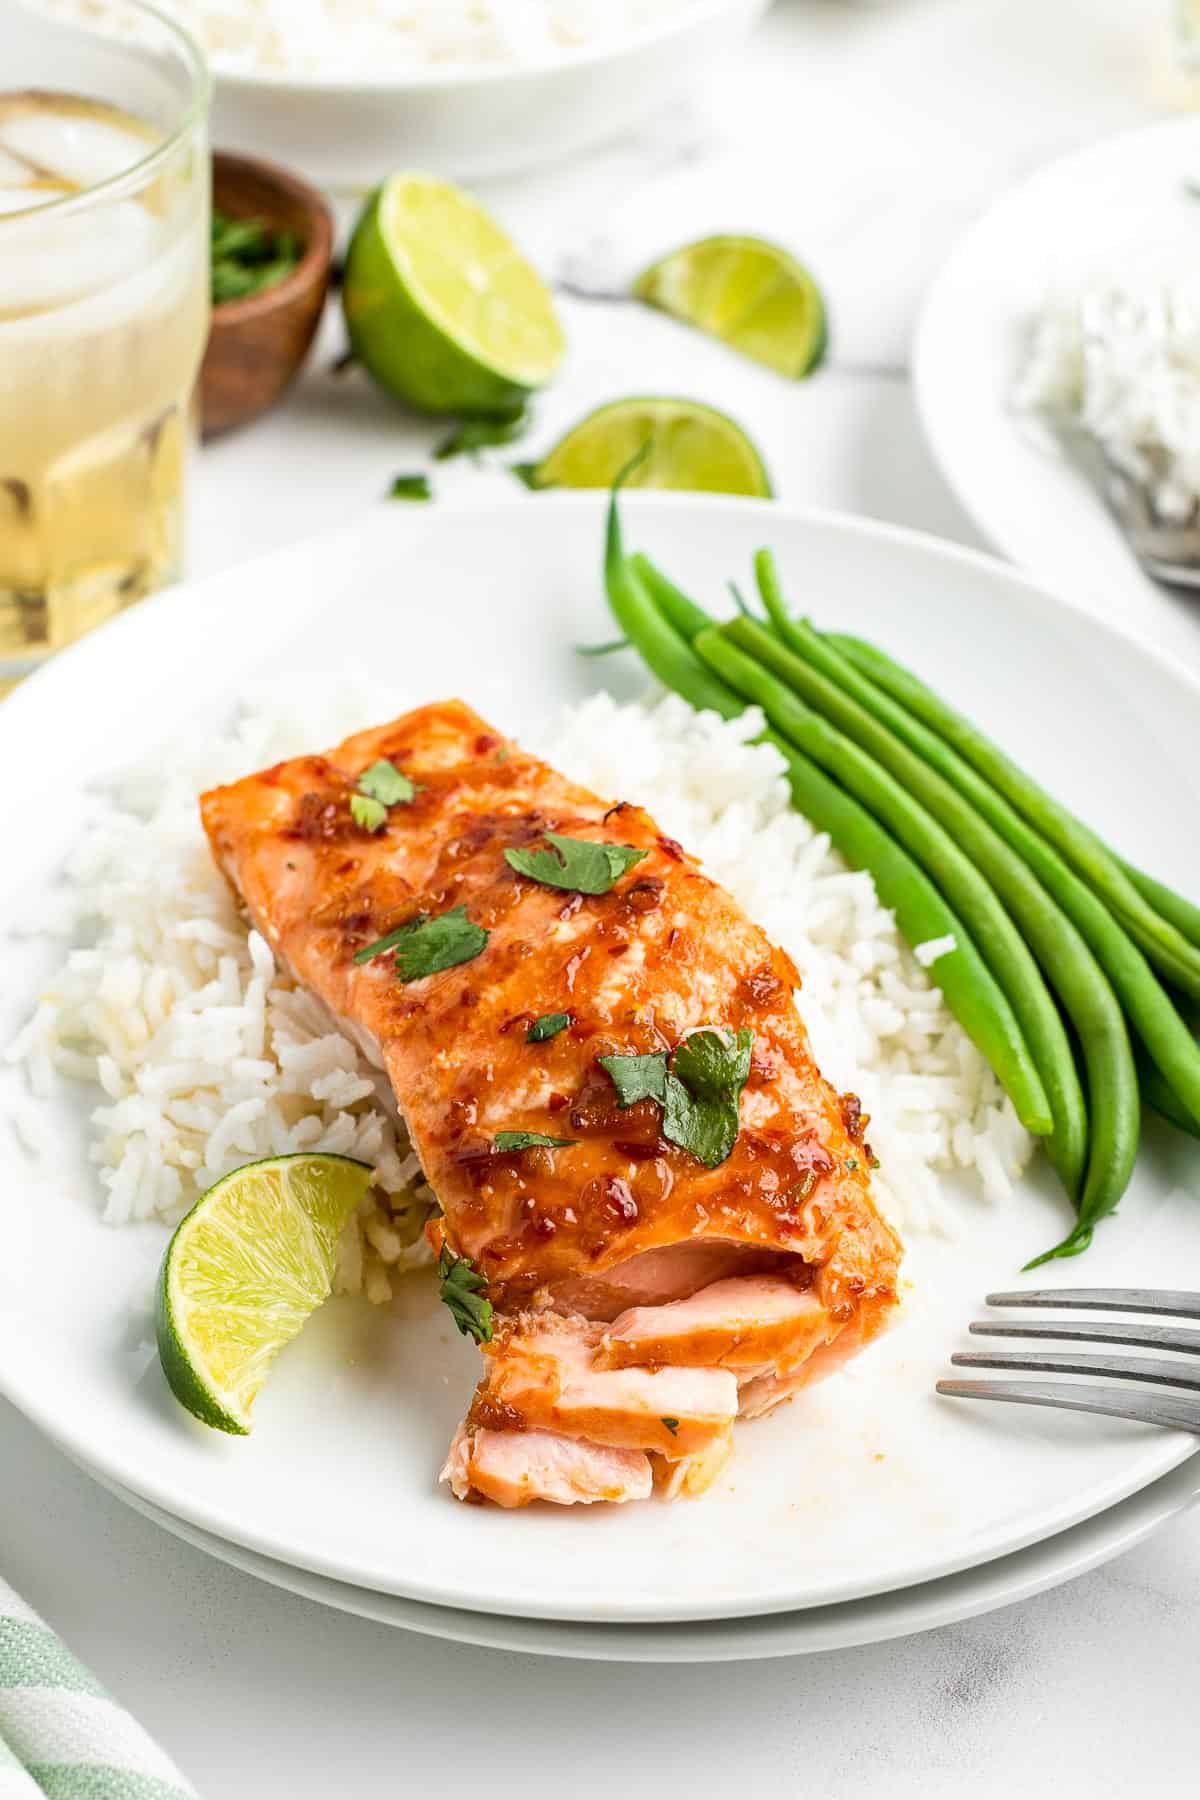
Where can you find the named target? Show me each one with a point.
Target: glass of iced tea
(104, 284)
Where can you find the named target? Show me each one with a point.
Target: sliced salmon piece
(750, 1322)
(656, 1276)
(514, 1468)
(691, 1475)
(544, 1375)
(761, 1394)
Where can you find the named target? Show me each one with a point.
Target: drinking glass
(104, 299)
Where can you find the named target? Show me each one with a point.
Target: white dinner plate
(866, 1483)
(1111, 211)
(901, 1612)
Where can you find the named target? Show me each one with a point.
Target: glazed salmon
(777, 1248)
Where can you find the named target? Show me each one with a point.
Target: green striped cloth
(60, 1734)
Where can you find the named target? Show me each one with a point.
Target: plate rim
(1102, 1533)
(38, 1408)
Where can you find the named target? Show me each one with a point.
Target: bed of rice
(208, 1056)
(1120, 364)
(346, 37)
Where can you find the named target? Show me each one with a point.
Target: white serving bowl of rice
(349, 90)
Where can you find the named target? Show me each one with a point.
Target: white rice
(1121, 365)
(207, 1056)
(399, 37)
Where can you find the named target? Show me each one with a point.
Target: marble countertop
(876, 131)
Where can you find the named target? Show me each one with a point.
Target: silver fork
(1168, 550)
(1180, 1410)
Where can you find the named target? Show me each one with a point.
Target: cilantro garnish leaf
(369, 813)
(473, 434)
(672, 1426)
(379, 787)
(425, 946)
(462, 1291)
(410, 487)
(638, 1077)
(505, 1142)
(699, 1089)
(383, 781)
(578, 864)
(548, 1026)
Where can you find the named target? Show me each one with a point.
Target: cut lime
(249, 1264)
(441, 308)
(750, 294)
(691, 446)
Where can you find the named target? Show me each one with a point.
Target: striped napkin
(60, 1734)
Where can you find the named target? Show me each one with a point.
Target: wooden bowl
(256, 346)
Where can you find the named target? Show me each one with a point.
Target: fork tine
(1177, 1411)
(1077, 1362)
(1142, 1300)
(1083, 1331)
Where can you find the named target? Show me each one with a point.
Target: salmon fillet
(617, 1251)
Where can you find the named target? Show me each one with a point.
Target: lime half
(691, 446)
(441, 308)
(750, 294)
(245, 1269)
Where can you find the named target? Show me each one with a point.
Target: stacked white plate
(869, 1507)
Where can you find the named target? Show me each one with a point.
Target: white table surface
(869, 134)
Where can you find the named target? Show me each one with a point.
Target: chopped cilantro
(471, 435)
(410, 487)
(380, 786)
(638, 1077)
(249, 256)
(368, 813)
(383, 781)
(505, 1142)
(579, 864)
(425, 946)
(462, 1291)
(699, 1089)
(672, 1426)
(548, 1026)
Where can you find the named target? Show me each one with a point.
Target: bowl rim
(435, 80)
(318, 251)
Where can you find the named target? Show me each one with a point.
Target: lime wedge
(691, 446)
(441, 308)
(750, 294)
(249, 1264)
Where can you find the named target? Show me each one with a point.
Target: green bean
(1016, 974)
(1083, 987)
(1174, 908)
(1147, 1006)
(922, 915)
(672, 602)
(1066, 960)
(664, 651)
(1163, 943)
(1159, 1097)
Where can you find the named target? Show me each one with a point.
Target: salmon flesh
(642, 1298)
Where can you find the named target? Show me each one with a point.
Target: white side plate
(1110, 212)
